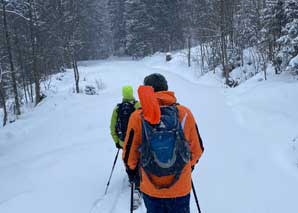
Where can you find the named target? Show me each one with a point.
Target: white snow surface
(57, 158)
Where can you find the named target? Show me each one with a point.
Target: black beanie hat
(157, 81)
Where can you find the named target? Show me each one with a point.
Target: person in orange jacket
(162, 193)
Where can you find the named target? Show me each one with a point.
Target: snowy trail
(58, 157)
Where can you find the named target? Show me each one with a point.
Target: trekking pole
(112, 171)
(131, 197)
(196, 198)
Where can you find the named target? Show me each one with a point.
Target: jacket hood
(151, 102)
(166, 98)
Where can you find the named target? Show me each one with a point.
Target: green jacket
(114, 121)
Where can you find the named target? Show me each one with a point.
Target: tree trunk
(31, 89)
(2, 97)
(264, 65)
(224, 56)
(21, 62)
(189, 50)
(36, 74)
(242, 56)
(8, 46)
(202, 58)
(25, 92)
(223, 42)
(76, 74)
(265, 70)
(27, 89)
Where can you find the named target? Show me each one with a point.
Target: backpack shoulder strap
(117, 107)
(144, 126)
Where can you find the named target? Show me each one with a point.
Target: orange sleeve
(192, 135)
(133, 140)
(195, 142)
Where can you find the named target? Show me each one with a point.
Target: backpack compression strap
(164, 186)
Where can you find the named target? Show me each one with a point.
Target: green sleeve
(113, 125)
(137, 105)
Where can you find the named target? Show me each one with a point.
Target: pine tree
(117, 18)
(247, 25)
(273, 21)
(7, 34)
(166, 27)
(138, 41)
(291, 10)
(289, 39)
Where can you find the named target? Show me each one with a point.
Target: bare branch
(15, 13)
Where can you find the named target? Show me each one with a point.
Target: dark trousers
(167, 205)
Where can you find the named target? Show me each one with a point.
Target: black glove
(118, 145)
(132, 174)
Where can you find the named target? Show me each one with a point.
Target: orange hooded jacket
(133, 140)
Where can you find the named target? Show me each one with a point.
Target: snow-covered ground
(58, 157)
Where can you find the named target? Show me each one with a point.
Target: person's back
(121, 114)
(169, 189)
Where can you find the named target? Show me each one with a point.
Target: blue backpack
(164, 150)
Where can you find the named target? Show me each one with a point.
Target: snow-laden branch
(15, 13)
(2, 73)
(2, 58)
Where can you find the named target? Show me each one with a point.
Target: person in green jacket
(121, 114)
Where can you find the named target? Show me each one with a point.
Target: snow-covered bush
(251, 66)
(293, 65)
(90, 90)
(100, 84)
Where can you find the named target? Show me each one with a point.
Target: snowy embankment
(57, 158)
(269, 109)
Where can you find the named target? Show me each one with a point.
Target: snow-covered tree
(289, 43)
(291, 10)
(289, 39)
(138, 41)
(247, 23)
(273, 21)
(118, 29)
(166, 24)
